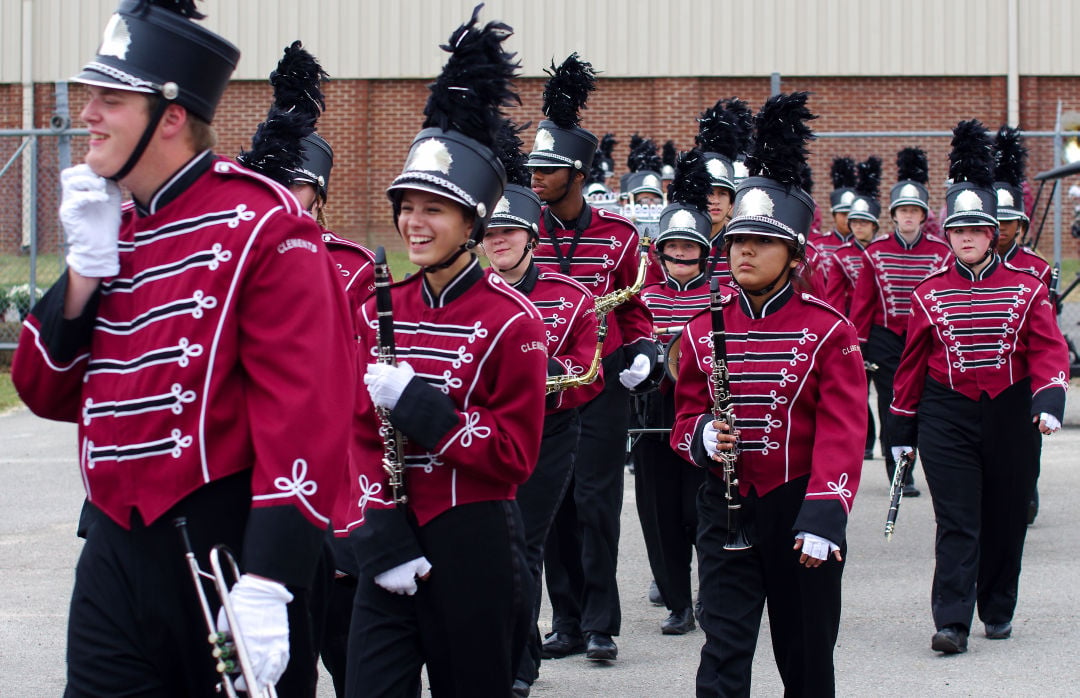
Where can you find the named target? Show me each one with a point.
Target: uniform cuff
(822, 517)
(424, 414)
(903, 430)
(385, 541)
(64, 339)
(642, 346)
(1050, 401)
(281, 544)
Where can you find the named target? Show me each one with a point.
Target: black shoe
(558, 645)
(654, 594)
(600, 647)
(910, 490)
(952, 639)
(998, 631)
(520, 688)
(868, 454)
(678, 623)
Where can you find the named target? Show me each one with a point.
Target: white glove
(402, 579)
(90, 214)
(386, 383)
(816, 546)
(898, 451)
(1050, 421)
(259, 605)
(710, 437)
(639, 370)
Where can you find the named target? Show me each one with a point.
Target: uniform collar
(903, 243)
(527, 282)
(177, 184)
(461, 283)
(580, 223)
(840, 236)
(695, 282)
(1011, 252)
(969, 273)
(775, 303)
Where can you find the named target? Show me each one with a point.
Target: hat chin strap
(685, 262)
(449, 261)
(768, 287)
(144, 140)
(528, 248)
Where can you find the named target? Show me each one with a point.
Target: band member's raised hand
(260, 608)
(638, 371)
(402, 579)
(815, 549)
(1047, 422)
(386, 383)
(90, 214)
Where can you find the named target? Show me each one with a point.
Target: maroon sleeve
(1047, 356)
(863, 299)
(693, 395)
(910, 376)
(576, 355)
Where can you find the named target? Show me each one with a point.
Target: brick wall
(371, 124)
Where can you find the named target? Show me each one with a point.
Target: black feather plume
(808, 179)
(691, 185)
(911, 163)
(607, 145)
(475, 83)
(669, 153)
(842, 173)
(725, 128)
(1010, 156)
(567, 90)
(869, 177)
(739, 114)
(508, 149)
(643, 155)
(779, 150)
(597, 174)
(184, 8)
(276, 149)
(972, 156)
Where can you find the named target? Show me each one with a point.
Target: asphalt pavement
(884, 644)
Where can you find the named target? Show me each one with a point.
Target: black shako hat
(560, 141)
(519, 206)
(912, 174)
(453, 155)
(154, 47)
(970, 199)
(723, 133)
(686, 217)
(865, 205)
(1010, 159)
(771, 201)
(843, 180)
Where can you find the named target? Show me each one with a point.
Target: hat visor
(405, 183)
(758, 225)
(541, 160)
(958, 220)
(1006, 215)
(856, 216)
(840, 209)
(908, 202)
(93, 77)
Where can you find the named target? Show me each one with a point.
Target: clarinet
(393, 440)
(896, 491)
(723, 411)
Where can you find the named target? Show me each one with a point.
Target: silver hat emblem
(116, 39)
(682, 219)
(503, 206)
(651, 181)
(756, 202)
(741, 172)
(968, 201)
(909, 191)
(544, 140)
(717, 169)
(431, 155)
(847, 197)
(1005, 199)
(860, 205)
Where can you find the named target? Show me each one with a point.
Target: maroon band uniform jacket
(891, 270)
(847, 264)
(1028, 260)
(799, 392)
(981, 334)
(355, 265)
(569, 314)
(221, 346)
(472, 416)
(601, 251)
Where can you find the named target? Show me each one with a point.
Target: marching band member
(984, 355)
(798, 391)
(1010, 161)
(665, 485)
(567, 309)
(196, 396)
(881, 302)
(843, 175)
(464, 397)
(598, 249)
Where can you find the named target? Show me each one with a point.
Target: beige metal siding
(622, 38)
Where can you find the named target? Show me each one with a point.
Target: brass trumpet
(228, 650)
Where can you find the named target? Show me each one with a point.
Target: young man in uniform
(199, 339)
(600, 250)
(881, 304)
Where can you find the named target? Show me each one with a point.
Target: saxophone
(606, 303)
(555, 384)
(393, 440)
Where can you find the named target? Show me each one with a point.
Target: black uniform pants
(539, 499)
(135, 626)
(804, 604)
(468, 621)
(666, 488)
(884, 349)
(583, 546)
(979, 460)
